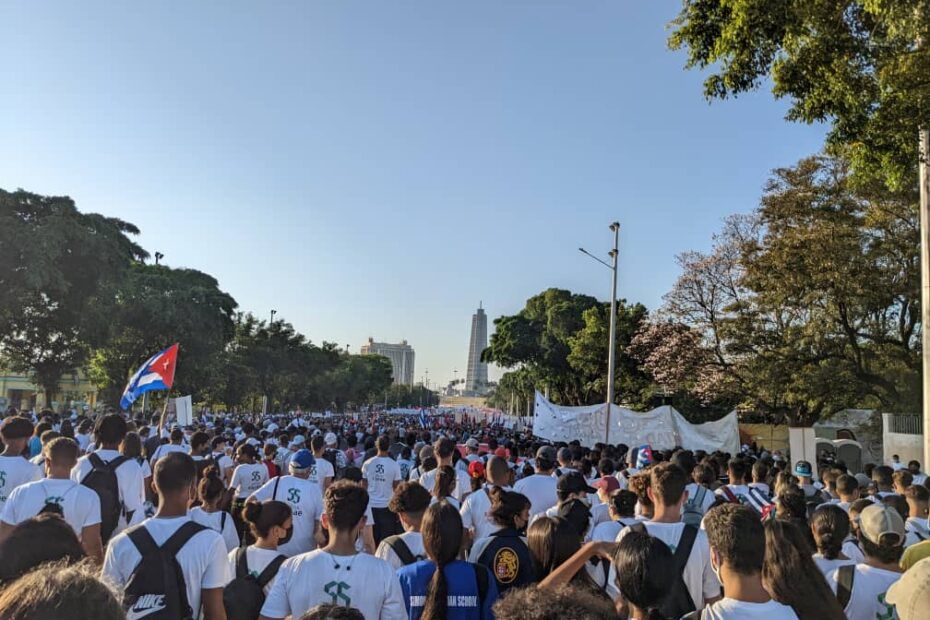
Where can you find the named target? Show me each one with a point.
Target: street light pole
(273, 312)
(924, 137)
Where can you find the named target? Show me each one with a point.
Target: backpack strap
(845, 575)
(140, 537)
(242, 563)
(729, 494)
(481, 578)
(700, 495)
(183, 534)
(274, 493)
(95, 461)
(222, 521)
(639, 527)
(401, 549)
(271, 570)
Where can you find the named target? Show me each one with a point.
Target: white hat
(298, 440)
(330, 439)
(252, 441)
(911, 593)
(879, 520)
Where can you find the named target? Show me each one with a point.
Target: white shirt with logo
(867, 601)
(248, 478)
(306, 504)
(320, 471)
(81, 506)
(381, 472)
(203, 559)
(731, 609)
(541, 491)
(16, 471)
(362, 581)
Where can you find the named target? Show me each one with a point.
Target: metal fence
(906, 424)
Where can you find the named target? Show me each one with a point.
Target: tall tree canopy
(54, 264)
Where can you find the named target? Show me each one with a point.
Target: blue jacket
(465, 601)
(508, 558)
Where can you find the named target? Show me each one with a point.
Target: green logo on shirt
(2, 478)
(889, 609)
(293, 496)
(336, 590)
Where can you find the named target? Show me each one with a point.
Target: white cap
(330, 439)
(911, 593)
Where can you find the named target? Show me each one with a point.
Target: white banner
(184, 410)
(662, 428)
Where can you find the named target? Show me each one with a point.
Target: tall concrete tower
(476, 377)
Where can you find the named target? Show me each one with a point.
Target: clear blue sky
(378, 168)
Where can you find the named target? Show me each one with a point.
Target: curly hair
(569, 601)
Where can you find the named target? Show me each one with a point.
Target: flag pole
(164, 412)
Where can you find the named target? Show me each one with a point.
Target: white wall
(906, 446)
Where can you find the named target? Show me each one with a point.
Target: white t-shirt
(414, 542)
(306, 504)
(203, 559)
(257, 560)
(320, 471)
(709, 496)
(852, 551)
(540, 489)
(608, 530)
(917, 531)
(698, 575)
(129, 481)
(867, 601)
(16, 471)
(83, 441)
(462, 485)
(216, 522)
(475, 513)
(248, 478)
(827, 566)
(381, 472)
(311, 579)
(731, 609)
(223, 462)
(81, 505)
(405, 466)
(165, 449)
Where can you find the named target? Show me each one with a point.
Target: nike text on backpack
(693, 510)
(244, 596)
(679, 601)
(845, 575)
(102, 479)
(156, 589)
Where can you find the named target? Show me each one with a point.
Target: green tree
(153, 307)
(854, 64)
(55, 262)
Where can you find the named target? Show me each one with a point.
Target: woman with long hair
(428, 585)
(791, 577)
(444, 486)
(830, 527)
(552, 541)
(645, 568)
(131, 447)
(210, 513)
(791, 506)
(504, 552)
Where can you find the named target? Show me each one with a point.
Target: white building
(476, 376)
(401, 356)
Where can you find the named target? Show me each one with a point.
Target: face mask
(714, 567)
(287, 537)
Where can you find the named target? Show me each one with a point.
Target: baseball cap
(302, 459)
(426, 452)
(253, 441)
(330, 439)
(878, 520)
(298, 439)
(472, 443)
(911, 593)
(573, 482)
(476, 469)
(502, 452)
(608, 483)
(803, 468)
(546, 453)
(577, 514)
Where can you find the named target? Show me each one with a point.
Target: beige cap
(877, 520)
(911, 593)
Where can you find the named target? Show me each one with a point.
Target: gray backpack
(692, 512)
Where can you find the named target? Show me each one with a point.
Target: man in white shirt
(202, 558)
(667, 492)
(304, 498)
(174, 445)
(15, 469)
(472, 447)
(337, 574)
(409, 503)
(475, 508)
(109, 433)
(918, 498)
(322, 472)
(380, 475)
(223, 461)
(737, 551)
(78, 505)
(540, 488)
(442, 450)
(914, 468)
(861, 588)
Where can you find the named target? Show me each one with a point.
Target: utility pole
(925, 284)
(273, 312)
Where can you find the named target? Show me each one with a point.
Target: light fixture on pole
(158, 256)
(612, 336)
(273, 312)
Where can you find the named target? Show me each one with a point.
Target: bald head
(497, 471)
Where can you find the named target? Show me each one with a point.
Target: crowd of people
(305, 517)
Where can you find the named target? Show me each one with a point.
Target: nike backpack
(102, 479)
(244, 596)
(156, 590)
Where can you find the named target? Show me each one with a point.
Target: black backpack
(156, 589)
(679, 602)
(102, 479)
(244, 596)
(54, 508)
(399, 547)
(845, 576)
(202, 465)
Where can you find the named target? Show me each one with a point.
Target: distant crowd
(310, 517)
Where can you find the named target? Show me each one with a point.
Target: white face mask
(715, 567)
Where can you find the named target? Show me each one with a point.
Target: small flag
(155, 374)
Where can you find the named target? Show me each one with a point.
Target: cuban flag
(644, 456)
(155, 374)
(423, 419)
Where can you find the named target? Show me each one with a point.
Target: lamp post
(612, 344)
(273, 312)
(158, 256)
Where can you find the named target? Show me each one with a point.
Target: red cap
(501, 452)
(608, 483)
(476, 469)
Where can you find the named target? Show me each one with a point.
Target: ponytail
(442, 540)
(506, 506)
(262, 516)
(211, 486)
